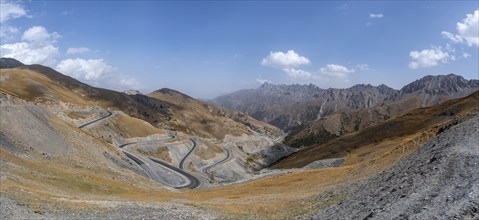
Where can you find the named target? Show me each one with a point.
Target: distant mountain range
(314, 115)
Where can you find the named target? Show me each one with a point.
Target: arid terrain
(72, 151)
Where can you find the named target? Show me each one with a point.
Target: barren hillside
(43, 84)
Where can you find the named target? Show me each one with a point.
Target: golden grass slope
(31, 86)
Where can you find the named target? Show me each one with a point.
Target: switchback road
(182, 162)
(194, 182)
(207, 168)
(99, 119)
(149, 172)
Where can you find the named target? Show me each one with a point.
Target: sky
(210, 48)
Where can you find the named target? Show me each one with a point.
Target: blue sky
(206, 49)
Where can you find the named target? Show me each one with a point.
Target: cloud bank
(467, 30)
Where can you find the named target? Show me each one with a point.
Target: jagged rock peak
(133, 92)
(440, 84)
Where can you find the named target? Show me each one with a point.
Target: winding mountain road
(208, 167)
(194, 182)
(96, 120)
(182, 162)
(149, 172)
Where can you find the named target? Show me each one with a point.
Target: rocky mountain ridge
(304, 103)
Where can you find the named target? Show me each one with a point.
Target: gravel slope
(11, 209)
(439, 181)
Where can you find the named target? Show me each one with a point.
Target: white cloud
(7, 31)
(330, 72)
(87, 70)
(284, 60)
(380, 15)
(77, 50)
(429, 57)
(288, 62)
(336, 70)
(40, 35)
(453, 37)
(297, 73)
(11, 10)
(467, 30)
(465, 55)
(30, 54)
(38, 48)
(96, 72)
(262, 81)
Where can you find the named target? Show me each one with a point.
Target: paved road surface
(181, 165)
(194, 182)
(145, 142)
(149, 172)
(207, 168)
(91, 122)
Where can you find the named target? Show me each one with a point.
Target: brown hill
(43, 84)
(205, 118)
(418, 120)
(322, 130)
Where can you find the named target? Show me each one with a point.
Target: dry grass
(160, 153)
(208, 150)
(76, 115)
(135, 127)
(32, 86)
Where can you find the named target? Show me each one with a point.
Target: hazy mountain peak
(9, 63)
(171, 92)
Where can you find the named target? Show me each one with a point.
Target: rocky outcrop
(289, 106)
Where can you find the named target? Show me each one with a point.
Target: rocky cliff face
(439, 85)
(289, 106)
(313, 115)
(434, 89)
